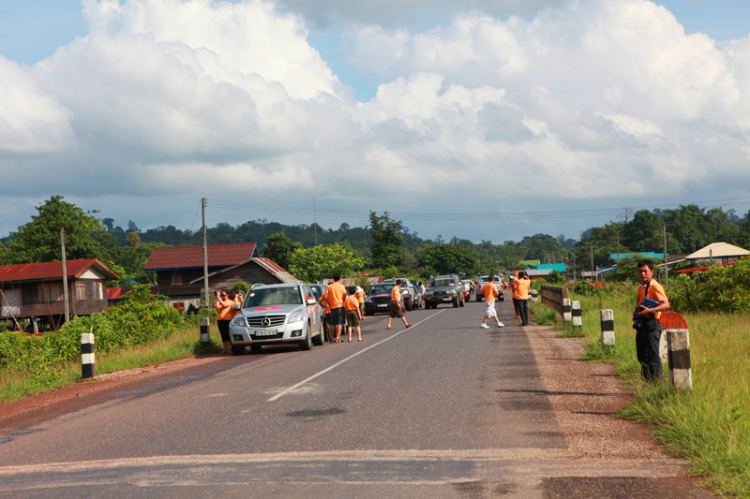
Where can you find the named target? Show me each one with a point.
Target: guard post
(88, 357)
(567, 312)
(205, 335)
(577, 314)
(608, 328)
(678, 350)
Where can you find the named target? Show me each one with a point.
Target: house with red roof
(34, 291)
(179, 270)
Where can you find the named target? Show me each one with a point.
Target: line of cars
(379, 297)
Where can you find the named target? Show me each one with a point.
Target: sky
(489, 120)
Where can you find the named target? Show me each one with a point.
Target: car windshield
(273, 296)
(442, 282)
(316, 292)
(379, 289)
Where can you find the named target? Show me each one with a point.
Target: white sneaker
(484, 326)
(500, 324)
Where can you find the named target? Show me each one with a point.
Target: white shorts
(489, 309)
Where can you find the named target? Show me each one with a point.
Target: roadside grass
(710, 425)
(183, 343)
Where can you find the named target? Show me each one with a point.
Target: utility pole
(66, 302)
(205, 255)
(666, 264)
(315, 221)
(596, 278)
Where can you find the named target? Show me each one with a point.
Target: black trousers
(523, 308)
(647, 338)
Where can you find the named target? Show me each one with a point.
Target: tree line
(385, 245)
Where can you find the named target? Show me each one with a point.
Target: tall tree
(386, 240)
(39, 240)
(279, 248)
(321, 261)
(448, 259)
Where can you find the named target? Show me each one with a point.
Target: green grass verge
(710, 425)
(181, 344)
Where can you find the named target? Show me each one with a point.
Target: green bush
(720, 289)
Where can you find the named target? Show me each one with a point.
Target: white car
(277, 314)
(484, 280)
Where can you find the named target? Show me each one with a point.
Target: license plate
(266, 332)
(382, 306)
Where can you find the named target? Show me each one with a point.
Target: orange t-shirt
(361, 296)
(335, 295)
(490, 291)
(396, 294)
(521, 288)
(351, 303)
(655, 292)
(225, 313)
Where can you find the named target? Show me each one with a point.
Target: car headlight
(238, 321)
(296, 317)
(451, 293)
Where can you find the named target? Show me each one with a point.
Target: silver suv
(275, 315)
(444, 289)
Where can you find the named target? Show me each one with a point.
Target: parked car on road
(319, 290)
(484, 280)
(444, 289)
(378, 299)
(277, 314)
(468, 288)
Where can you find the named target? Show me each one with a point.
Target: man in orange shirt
(646, 322)
(397, 308)
(521, 296)
(490, 292)
(334, 297)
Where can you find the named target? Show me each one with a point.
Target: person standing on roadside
(397, 307)
(521, 288)
(353, 315)
(361, 295)
(646, 322)
(334, 296)
(490, 292)
(223, 317)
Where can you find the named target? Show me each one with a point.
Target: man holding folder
(650, 301)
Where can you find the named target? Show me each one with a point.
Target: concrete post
(88, 357)
(205, 336)
(533, 295)
(567, 316)
(608, 328)
(577, 314)
(678, 344)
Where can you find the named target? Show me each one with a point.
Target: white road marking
(334, 366)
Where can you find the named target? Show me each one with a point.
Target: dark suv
(378, 298)
(444, 289)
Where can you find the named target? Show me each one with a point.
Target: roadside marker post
(88, 357)
(577, 314)
(567, 316)
(608, 327)
(205, 336)
(678, 350)
(533, 295)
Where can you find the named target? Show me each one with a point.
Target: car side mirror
(311, 301)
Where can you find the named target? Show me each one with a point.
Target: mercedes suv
(277, 314)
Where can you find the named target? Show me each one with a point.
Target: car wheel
(256, 348)
(306, 344)
(463, 302)
(409, 305)
(320, 339)
(455, 302)
(238, 349)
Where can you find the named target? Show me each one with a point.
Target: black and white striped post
(567, 315)
(678, 354)
(608, 328)
(88, 357)
(205, 336)
(533, 295)
(577, 314)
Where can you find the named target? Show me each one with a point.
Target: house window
(99, 290)
(177, 278)
(49, 292)
(81, 291)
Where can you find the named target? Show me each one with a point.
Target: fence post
(205, 336)
(533, 295)
(88, 357)
(608, 328)
(577, 314)
(678, 353)
(567, 316)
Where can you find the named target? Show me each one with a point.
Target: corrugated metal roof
(280, 273)
(191, 257)
(718, 250)
(560, 267)
(52, 270)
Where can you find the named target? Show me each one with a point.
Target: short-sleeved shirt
(396, 294)
(490, 292)
(351, 303)
(225, 313)
(361, 296)
(335, 295)
(521, 289)
(655, 292)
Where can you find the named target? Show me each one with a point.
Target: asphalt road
(443, 409)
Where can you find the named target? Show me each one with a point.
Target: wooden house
(256, 270)
(32, 291)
